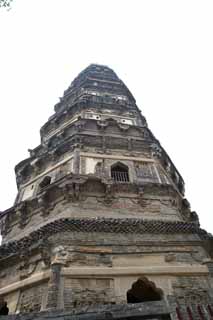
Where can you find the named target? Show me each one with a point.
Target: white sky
(162, 50)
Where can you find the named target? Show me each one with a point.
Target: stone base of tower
(115, 274)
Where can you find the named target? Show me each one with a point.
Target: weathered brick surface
(31, 299)
(158, 310)
(83, 292)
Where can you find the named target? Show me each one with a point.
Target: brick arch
(144, 290)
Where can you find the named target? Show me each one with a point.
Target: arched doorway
(144, 290)
(120, 172)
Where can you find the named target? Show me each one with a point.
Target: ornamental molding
(100, 225)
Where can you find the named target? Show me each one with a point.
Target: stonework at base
(101, 228)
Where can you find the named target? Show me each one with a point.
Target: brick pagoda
(101, 228)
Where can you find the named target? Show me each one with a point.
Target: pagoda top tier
(98, 83)
(96, 87)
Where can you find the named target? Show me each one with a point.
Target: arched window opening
(120, 172)
(4, 310)
(144, 290)
(45, 182)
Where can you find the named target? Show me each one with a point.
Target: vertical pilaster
(76, 161)
(55, 288)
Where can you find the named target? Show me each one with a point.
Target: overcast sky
(162, 50)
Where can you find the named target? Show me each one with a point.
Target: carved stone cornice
(108, 225)
(75, 188)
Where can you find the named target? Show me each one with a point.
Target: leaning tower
(101, 228)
